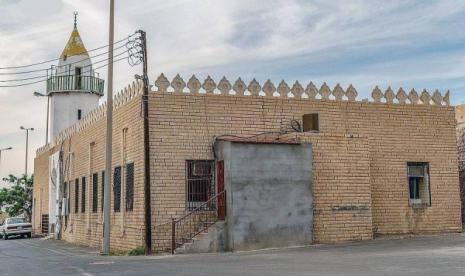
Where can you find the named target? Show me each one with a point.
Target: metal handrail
(75, 83)
(196, 227)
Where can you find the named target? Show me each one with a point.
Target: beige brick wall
(84, 155)
(183, 126)
(360, 157)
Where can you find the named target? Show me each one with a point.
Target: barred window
(94, 192)
(76, 196)
(103, 189)
(129, 187)
(200, 186)
(117, 189)
(83, 198)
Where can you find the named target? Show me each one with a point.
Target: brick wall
(84, 153)
(183, 126)
(360, 162)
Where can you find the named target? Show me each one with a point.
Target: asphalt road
(434, 255)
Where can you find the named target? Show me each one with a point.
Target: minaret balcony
(75, 83)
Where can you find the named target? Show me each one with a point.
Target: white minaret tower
(72, 86)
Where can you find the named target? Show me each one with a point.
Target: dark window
(129, 187)
(311, 122)
(103, 189)
(117, 189)
(78, 72)
(94, 192)
(76, 196)
(83, 198)
(200, 185)
(65, 208)
(79, 114)
(418, 184)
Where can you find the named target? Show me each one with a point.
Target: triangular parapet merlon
(295, 90)
(119, 99)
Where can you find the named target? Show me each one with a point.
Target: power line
(51, 60)
(63, 74)
(30, 83)
(45, 69)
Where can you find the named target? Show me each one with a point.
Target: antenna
(75, 19)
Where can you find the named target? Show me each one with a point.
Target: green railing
(75, 83)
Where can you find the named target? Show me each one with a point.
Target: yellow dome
(74, 47)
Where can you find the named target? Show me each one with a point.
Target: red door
(221, 199)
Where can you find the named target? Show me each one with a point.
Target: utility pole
(147, 198)
(109, 134)
(27, 145)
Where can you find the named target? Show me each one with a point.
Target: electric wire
(42, 80)
(62, 74)
(59, 66)
(51, 60)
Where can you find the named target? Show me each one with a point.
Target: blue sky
(413, 44)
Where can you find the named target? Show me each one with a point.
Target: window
(117, 189)
(94, 192)
(200, 186)
(76, 196)
(65, 208)
(79, 114)
(418, 184)
(129, 187)
(78, 72)
(103, 189)
(83, 198)
(311, 122)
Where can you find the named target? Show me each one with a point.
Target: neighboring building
(298, 166)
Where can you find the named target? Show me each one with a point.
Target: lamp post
(1, 150)
(27, 144)
(38, 94)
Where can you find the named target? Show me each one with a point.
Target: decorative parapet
(311, 92)
(120, 99)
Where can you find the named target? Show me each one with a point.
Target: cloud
(400, 43)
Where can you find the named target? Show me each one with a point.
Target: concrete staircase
(210, 241)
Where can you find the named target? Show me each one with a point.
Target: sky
(409, 44)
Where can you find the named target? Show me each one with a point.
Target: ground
(432, 255)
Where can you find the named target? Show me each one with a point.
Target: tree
(17, 200)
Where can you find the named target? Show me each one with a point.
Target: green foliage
(140, 250)
(17, 200)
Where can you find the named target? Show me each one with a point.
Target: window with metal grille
(117, 189)
(65, 208)
(418, 184)
(94, 192)
(83, 197)
(200, 185)
(76, 196)
(129, 187)
(103, 189)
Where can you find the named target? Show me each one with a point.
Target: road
(432, 255)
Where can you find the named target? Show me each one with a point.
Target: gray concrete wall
(269, 194)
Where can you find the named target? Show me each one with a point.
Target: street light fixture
(38, 94)
(1, 150)
(27, 144)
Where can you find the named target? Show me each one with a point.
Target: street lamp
(38, 94)
(1, 150)
(27, 144)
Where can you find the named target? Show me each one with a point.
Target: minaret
(72, 86)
